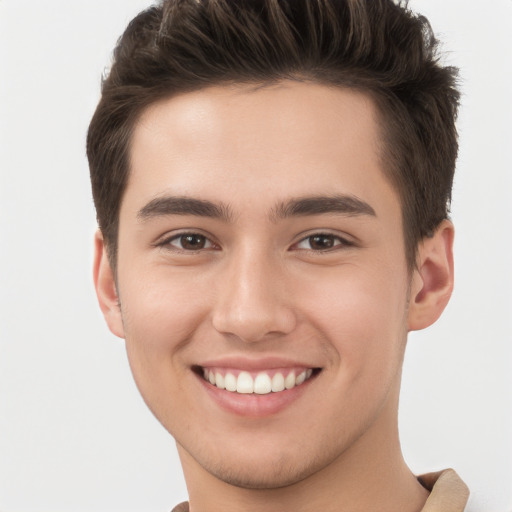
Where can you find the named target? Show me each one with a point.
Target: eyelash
(337, 242)
(181, 236)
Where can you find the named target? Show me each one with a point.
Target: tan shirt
(448, 493)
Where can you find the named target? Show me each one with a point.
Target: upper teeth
(261, 384)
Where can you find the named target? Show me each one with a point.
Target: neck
(371, 474)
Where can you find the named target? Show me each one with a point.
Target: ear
(106, 290)
(432, 280)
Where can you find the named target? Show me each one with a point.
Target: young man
(271, 179)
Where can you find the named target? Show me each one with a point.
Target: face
(261, 250)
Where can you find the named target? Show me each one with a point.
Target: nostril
(255, 324)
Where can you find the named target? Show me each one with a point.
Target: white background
(74, 433)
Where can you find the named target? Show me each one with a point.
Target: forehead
(243, 141)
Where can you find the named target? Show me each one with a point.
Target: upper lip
(255, 364)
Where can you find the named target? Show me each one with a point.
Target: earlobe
(432, 281)
(105, 284)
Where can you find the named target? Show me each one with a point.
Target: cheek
(160, 314)
(360, 314)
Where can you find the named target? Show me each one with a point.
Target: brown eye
(322, 242)
(190, 242)
(319, 242)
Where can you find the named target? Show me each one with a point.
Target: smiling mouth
(259, 383)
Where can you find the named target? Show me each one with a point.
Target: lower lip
(252, 404)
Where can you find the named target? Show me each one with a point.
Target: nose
(252, 301)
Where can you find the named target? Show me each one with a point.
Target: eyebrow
(175, 205)
(299, 207)
(322, 205)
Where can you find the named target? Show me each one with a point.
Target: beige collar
(448, 493)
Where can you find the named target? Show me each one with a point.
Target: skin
(259, 287)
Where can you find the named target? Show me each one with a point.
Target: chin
(260, 465)
(258, 475)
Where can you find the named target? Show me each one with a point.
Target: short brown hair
(376, 46)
